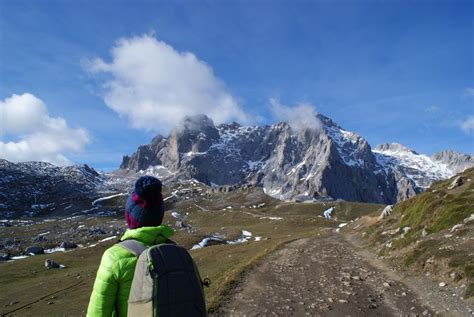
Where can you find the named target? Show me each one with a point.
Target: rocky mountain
(35, 188)
(299, 163)
(455, 161)
(416, 172)
(326, 163)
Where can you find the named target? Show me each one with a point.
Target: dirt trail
(326, 276)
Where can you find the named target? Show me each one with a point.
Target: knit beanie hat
(145, 206)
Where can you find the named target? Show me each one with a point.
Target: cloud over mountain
(299, 117)
(154, 86)
(39, 137)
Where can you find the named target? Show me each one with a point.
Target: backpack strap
(135, 247)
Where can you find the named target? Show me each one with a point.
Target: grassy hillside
(432, 233)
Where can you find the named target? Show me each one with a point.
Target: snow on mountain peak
(420, 168)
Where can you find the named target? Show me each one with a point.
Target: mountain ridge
(325, 162)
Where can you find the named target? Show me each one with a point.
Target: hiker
(144, 213)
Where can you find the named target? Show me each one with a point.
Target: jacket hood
(149, 235)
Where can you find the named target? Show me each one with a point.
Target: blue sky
(392, 71)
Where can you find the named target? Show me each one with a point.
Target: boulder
(458, 181)
(34, 250)
(97, 231)
(5, 256)
(50, 264)
(68, 245)
(39, 239)
(386, 212)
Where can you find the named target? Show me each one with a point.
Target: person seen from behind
(144, 213)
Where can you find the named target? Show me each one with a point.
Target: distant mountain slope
(34, 188)
(455, 161)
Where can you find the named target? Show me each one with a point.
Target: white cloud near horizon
(39, 136)
(298, 117)
(468, 124)
(153, 86)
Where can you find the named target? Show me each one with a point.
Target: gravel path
(322, 276)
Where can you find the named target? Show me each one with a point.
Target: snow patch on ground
(272, 218)
(204, 242)
(107, 239)
(245, 237)
(107, 198)
(53, 250)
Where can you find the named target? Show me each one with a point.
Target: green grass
(436, 210)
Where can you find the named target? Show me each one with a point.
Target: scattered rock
(405, 231)
(181, 224)
(442, 284)
(40, 238)
(342, 301)
(97, 231)
(469, 219)
(5, 256)
(458, 181)
(455, 276)
(386, 284)
(424, 233)
(68, 245)
(386, 212)
(50, 264)
(34, 250)
(457, 227)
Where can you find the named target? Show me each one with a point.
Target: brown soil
(329, 276)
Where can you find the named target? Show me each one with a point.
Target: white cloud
(39, 136)
(468, 125)
(298, 117)
(154, 86)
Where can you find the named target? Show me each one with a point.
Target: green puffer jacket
(114, 277)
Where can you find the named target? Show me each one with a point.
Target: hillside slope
(431, 233)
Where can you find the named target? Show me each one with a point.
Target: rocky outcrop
(34, 250)
(455, 161)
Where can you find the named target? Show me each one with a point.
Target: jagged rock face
(415, 172)
(327, 163)
(323, 163)
(36, 187)
(456, 162)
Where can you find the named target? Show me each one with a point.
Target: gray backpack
(166, 282)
